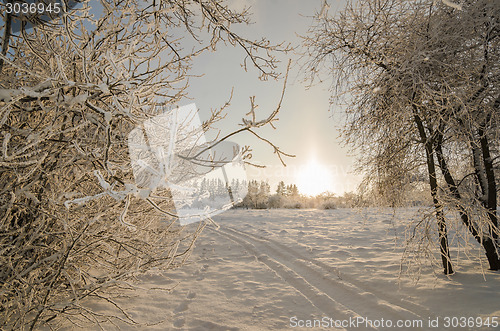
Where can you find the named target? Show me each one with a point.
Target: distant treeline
(261, 196)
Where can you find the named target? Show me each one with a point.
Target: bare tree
(418, 101)
(73, 222)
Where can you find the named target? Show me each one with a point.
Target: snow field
(262, 268)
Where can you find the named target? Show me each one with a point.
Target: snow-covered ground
(277, 269)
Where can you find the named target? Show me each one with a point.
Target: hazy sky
(306, 126)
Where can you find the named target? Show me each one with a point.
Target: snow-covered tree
(293, 190)
(263, 195)
(72, 221)
(281, 189)
(251, 199)
(421, 79)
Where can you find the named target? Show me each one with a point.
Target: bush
(275, 201)
(328, 205)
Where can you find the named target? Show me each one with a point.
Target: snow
(79, 99)
(262, 268)
(452, 4)
(6, 95)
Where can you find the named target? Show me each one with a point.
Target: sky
(308, 125)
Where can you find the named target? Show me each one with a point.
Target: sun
(314, 179)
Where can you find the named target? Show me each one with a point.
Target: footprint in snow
(179, 323)
(181, 308)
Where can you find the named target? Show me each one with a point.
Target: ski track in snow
(325, 287)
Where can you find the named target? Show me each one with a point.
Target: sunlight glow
(314, 179)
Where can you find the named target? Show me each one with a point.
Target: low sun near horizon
(314, 178)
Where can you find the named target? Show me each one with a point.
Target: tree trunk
(442, 229)
(486, 242)
(491, 201)
(6, 35)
